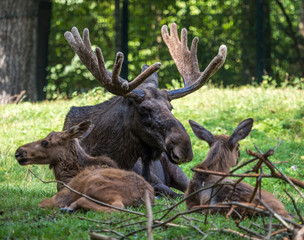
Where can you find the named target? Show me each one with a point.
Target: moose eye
(44, 143)
(145, 114)
(144, 110)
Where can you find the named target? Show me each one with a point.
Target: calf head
(52, 147)
(227, 146)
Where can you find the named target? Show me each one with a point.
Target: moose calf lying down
(224, 154)
(61, 150)
(116, 187)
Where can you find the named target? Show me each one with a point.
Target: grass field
(278, 114)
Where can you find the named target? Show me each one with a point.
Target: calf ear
(80, 130)
(89, 130)
(241, 131)
(201, 132)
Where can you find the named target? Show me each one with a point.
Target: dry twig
(149, 215)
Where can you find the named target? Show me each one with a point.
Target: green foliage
(269, 82)
(278, 114)
(214, 22)
(66, 72)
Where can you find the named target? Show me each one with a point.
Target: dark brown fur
(112, 186)
(126, 130)
(164, 175)
(223, 155)
(61, 150)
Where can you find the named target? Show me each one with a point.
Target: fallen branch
(228, 230)
(278, 174)
(98, 236)
(149, 215)
(254, 175)
(17, 97)
(295, 206)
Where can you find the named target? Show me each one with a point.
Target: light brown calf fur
(62, 151)
(224, 154)
(113, 186)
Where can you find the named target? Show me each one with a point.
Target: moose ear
(201, 132)
(82, 130)
(152, 79)
(241, 131)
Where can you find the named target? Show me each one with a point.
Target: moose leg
(146, 166)
(176, 177)
(87, 204)
(46, 203)
(162, 189)
(157, 178)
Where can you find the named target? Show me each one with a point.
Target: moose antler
(95, 64)
(186, 61)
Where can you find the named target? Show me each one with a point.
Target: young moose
(224, 154)
(62, 151)
(116, 187)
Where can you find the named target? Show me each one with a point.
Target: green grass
(278, 114)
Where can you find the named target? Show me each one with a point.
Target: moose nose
(18, 154)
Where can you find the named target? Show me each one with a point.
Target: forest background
(264, 40)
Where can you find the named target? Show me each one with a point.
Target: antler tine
(186, 61)
(212, 68)
(82, 47)
(95, 64)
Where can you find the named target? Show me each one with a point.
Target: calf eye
(44, 143)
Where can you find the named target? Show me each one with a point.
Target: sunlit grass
(278, 114)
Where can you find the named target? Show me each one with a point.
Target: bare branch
(149, 215)
(98, 236)
(228, 230)
(295, 206)
(278, 174)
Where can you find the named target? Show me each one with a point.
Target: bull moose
(137, 122)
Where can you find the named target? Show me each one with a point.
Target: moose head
(52, 148)
(224, 149)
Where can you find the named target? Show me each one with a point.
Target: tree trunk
(125, 38)
(294, 37)
(117, 26)
(18, 37)
(43, 30)
(248, 43)
(267, 38)
(260, 40)
(301, 26)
